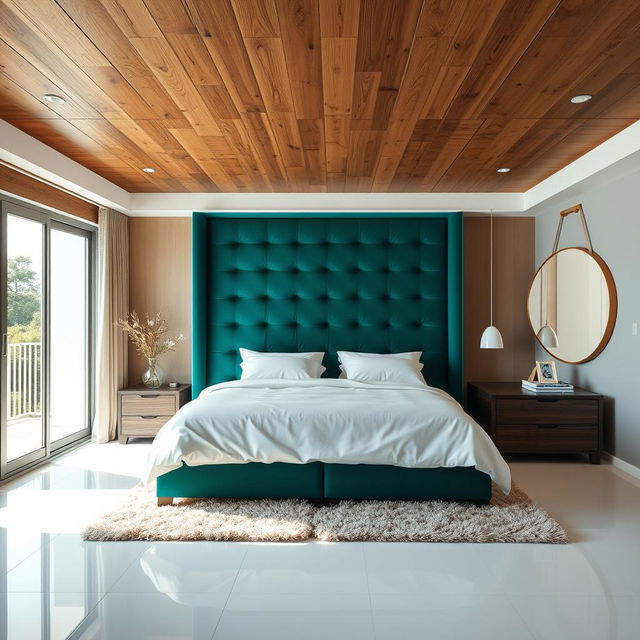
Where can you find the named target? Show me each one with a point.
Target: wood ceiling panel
(217, 25)
(338, 64)
(285, 130)
(93, 19)
(55, 24)
(133, 18)
(17, 69)
(553, 67)
(300, 28)
(67, 139)
(321, 95)
(53, 62)
(195, 58)
(339, 18)
(450, 141)
(386, 35)
(165, 66)
(270, 68)
(264, 148)
(484, 151)
(257, 18)
(172, 17)
(512, 31)
(18, 104)
(200, 150)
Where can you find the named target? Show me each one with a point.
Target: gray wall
(612, 210)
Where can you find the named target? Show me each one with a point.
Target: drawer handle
(149, 395)
(548, 426)
(149, 417)
(548, 399)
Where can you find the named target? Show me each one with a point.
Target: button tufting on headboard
(314, 282)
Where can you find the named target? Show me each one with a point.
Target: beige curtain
(113, 304)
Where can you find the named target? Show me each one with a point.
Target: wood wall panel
(513, 269)
(488, 78)
(160, 280)
(23, 186)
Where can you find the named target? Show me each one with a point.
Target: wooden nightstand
(142, 411)
(524, 422)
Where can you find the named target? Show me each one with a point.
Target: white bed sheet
(326, 420)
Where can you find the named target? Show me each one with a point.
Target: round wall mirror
(573, 304)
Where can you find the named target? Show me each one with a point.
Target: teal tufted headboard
(375, 282)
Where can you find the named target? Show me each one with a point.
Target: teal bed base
(324, 281)
(317, 481)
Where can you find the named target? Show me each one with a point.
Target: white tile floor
(54, 585)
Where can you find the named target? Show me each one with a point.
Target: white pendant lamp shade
(548, 337)
(491, 339)
(546, 334)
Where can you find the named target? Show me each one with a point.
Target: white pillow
(409, 355)
(280, 368)
(316, 356)
(383, 368)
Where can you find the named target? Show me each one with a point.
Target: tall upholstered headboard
(375, 282)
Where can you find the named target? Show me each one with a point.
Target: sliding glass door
(45, 316)
(69, 334)
(25, 257)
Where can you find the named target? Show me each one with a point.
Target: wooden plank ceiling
(320, 95)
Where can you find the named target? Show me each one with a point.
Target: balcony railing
(25, 379)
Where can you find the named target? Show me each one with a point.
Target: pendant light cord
(541, 301)
(491, 268)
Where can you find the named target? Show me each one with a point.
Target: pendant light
(491, 337)
(548, 337)
(546, 334)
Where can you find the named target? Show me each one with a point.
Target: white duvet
(326, 420)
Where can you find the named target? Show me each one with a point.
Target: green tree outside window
(23, 300)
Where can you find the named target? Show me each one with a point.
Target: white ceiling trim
(617, 148)
(31, 155)
(181, 204)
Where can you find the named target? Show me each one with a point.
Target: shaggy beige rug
(139, 518)
(512, 518)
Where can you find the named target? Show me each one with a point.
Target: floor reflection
(54, 585)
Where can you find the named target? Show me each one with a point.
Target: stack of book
(547, 387)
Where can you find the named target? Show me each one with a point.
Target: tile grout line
(366, 574)
(215, 629)
(28, 556)
(95, 606)
(117, 580)
(531, 631)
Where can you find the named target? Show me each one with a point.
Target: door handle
(4, 344)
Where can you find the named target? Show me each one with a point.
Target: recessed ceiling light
(52, 97)
(583, 97)
(149, 170)
(503, 170)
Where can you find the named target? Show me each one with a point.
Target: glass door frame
(82, 232)
(50, 220)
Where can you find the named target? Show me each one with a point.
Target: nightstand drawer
(551, 438)
(142, 425)
(148, 405)
(547, 411)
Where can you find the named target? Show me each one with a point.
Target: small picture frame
(546, 370)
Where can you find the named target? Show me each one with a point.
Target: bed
(322, 282)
